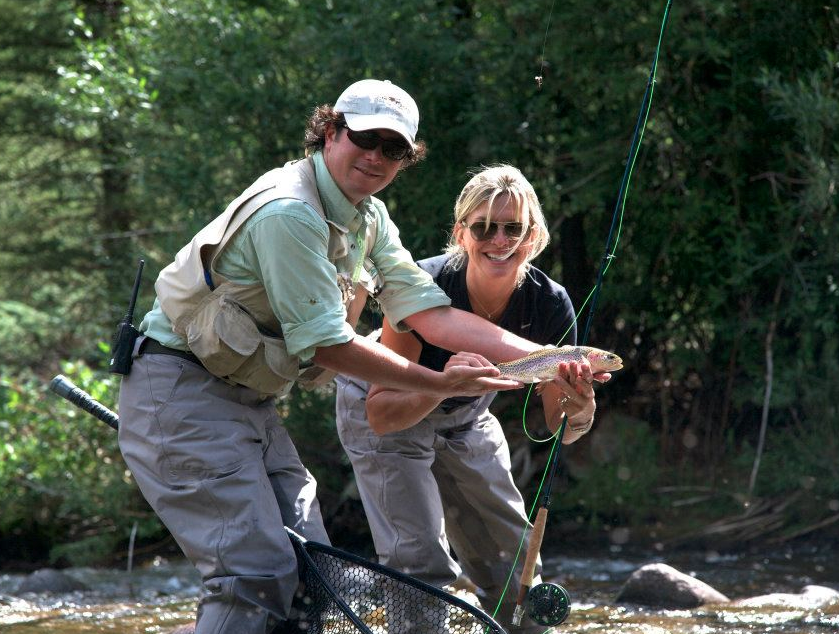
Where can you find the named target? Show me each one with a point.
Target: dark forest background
(127, 125)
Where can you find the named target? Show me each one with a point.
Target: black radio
(126, 335)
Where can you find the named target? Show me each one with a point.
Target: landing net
(341, 593)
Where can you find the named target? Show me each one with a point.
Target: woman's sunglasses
(394, 149)
(483, 231)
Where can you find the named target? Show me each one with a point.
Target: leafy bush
(62, 479)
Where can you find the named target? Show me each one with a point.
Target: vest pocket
(224, 336)
(270, 369)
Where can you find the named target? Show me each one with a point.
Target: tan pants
(222, 474)
(442, 483)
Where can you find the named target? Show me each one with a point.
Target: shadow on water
(161, 596)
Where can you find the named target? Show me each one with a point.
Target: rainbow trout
(541, 364)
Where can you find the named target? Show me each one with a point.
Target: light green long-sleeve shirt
(284, 246)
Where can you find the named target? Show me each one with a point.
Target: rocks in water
(810, 598)
(662, 586)
(49, 581)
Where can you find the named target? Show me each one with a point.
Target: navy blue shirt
(539, 310)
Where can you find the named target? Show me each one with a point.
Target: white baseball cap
(372, 103)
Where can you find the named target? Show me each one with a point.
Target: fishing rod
(65, 388)
(549, 603)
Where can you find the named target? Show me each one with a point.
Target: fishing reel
(548, 604)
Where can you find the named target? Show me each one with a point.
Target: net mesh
(341, 593)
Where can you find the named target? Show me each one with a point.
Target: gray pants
(443, 482)
(222, 474)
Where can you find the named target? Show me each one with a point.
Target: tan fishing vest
(231, 328)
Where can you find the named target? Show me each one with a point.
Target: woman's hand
(575, 382)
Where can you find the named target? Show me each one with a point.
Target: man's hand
(470, 374)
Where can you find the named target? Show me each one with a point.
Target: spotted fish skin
(541, 364)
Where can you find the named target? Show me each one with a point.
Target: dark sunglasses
(482, 231)
(394, 149)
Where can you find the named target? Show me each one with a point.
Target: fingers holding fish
(470, 359)
(578, 392)
(567, 379)
(580, 372)
(575, 381)
(578, 375)
(469, 376)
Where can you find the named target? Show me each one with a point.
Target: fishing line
(612, 241)
(620, 206)
(540, 77)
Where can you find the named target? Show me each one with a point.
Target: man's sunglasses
(482, 231)
(394, 149)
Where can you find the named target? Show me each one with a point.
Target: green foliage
(801, 462)
(62, 479)
(615, 487)
(126, 126)
(25, 333)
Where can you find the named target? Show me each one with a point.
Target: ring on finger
(564, 400)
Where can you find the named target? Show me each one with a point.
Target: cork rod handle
(533, 548)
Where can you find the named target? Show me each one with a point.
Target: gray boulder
(49, 581)
(810, 598)
(662, 586)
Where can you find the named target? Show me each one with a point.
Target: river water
(162, 595)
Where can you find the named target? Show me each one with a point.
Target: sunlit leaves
(61, 473)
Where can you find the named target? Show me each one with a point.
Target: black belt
(151, 346)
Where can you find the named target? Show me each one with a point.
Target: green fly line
(611, 249)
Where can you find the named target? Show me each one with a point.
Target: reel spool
(548, 604)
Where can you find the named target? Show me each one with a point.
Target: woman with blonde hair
(434, 474)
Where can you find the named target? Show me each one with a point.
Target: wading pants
(222, 474)
(444, 482)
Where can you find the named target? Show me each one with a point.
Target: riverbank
(162, 593)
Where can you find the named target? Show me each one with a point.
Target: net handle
(300, 547)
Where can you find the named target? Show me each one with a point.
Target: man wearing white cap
(267, 294)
